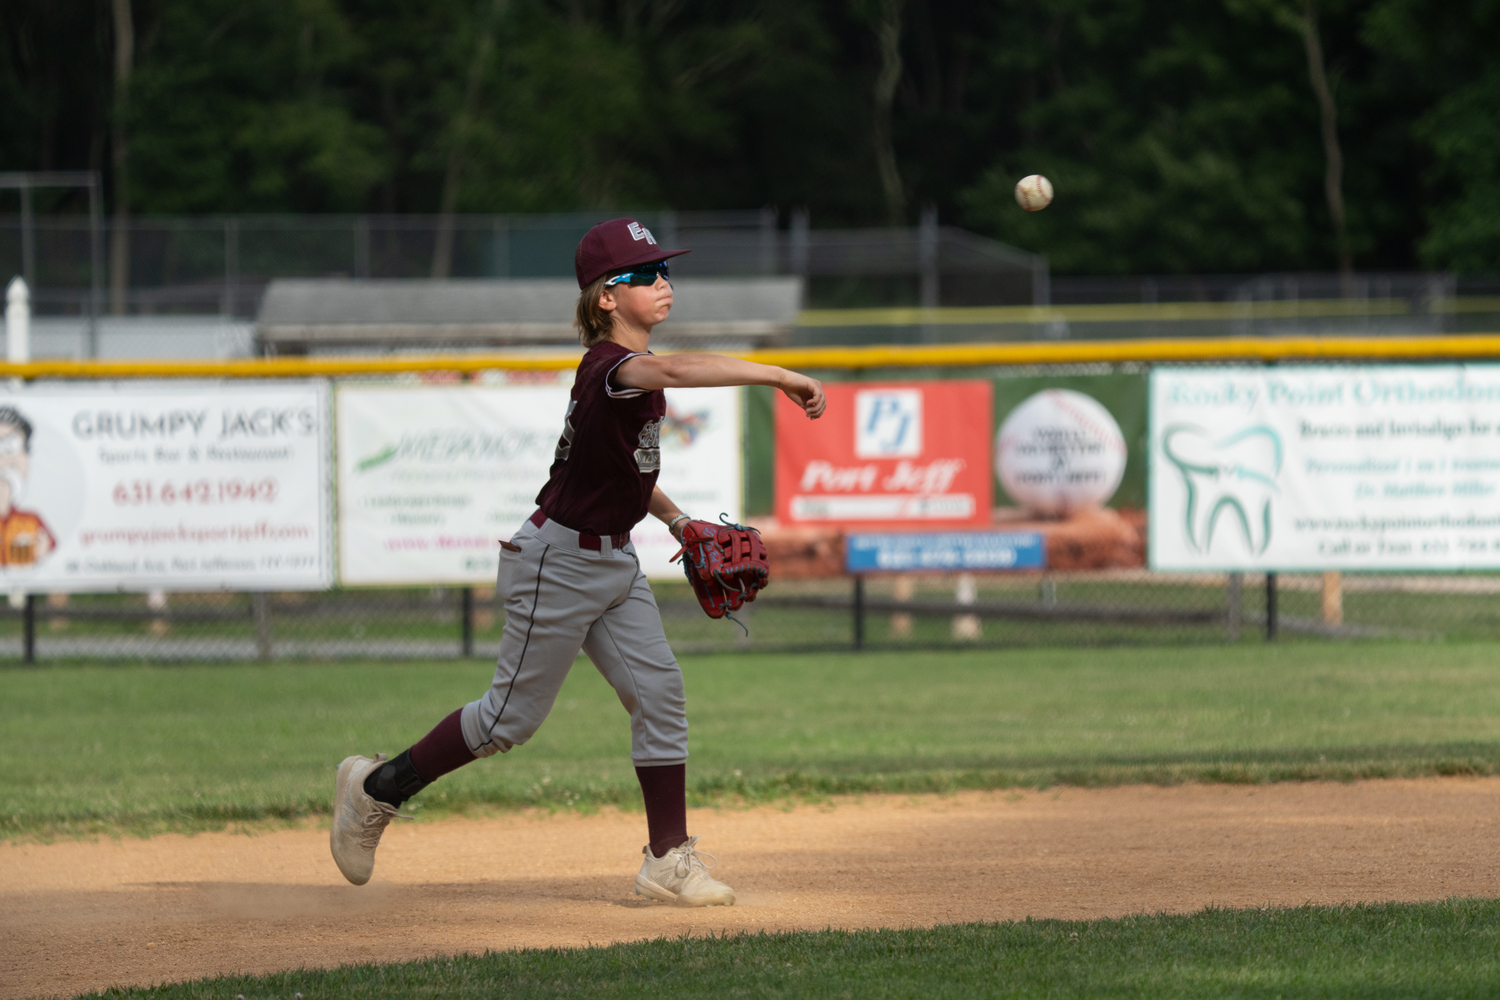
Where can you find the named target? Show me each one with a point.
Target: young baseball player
(570, 579)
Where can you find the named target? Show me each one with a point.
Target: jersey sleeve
(627, 392)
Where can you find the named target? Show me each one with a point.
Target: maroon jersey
(609, 455)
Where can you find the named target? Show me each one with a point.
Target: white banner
(1350, 468)
(702, 469)
(165, 486)
(432, 477)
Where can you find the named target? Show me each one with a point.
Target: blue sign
(937, 551)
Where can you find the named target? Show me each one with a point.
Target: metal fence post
(1041, 281)
(28, 624)
(260, 610)
(927, 257)
(801, 242)
(362, 247)
(768, 241)
(28, 238)
(467, 614)
(859, 612)
(1272, 625)
(500, 246)
(231, 265)
(927, 266)
(1234, 606)
(666, 221)
(96, 264)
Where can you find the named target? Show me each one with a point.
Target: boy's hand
(806, 393)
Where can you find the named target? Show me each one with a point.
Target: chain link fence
(1126, 605)
(1024, 609)
(220, 265)
(197, 266)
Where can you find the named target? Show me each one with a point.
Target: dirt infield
(83, 916)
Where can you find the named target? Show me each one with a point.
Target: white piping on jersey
(629, 393)
(565, 443)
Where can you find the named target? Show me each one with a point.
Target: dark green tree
(1181, 137)
(1446, 54)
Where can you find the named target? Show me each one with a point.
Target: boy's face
(639, 305)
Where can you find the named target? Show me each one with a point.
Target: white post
(17, 351)
(18, 322)
(966, 627)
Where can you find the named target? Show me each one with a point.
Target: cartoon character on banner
(24, 537)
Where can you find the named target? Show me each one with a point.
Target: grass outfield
(1439, 950)
(140, 749)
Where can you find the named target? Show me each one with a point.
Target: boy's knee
(479, 722)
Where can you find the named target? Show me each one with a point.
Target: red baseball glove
(726, 564)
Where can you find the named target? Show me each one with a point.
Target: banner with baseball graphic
(1082, 441)
(1325, 468)
(913, 454)
(165, 486)
(1060, 452)
(432, 477)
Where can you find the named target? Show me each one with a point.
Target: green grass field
(142, 749)
(1437, 950)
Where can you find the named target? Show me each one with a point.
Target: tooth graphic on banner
(1233, 475)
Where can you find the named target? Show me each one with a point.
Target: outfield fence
(1109, 607)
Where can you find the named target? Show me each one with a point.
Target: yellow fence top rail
(1159, 312)
(1470, 346)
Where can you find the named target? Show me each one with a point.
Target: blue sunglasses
(645, 274)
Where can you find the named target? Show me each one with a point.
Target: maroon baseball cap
(614, 246)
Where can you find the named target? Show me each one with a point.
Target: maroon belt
(585, 540)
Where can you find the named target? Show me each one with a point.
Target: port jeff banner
(900, 455)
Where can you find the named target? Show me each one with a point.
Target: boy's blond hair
(593, 322)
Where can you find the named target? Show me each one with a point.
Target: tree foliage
(1181, 136)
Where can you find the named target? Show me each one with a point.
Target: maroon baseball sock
(443, 749)
(665, 791)
(413, 769)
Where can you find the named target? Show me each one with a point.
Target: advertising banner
(914, 551)
(432, 477)
(165, 486)
(888, 455)
(1122, 394)
(702, 469)
(1348, 468)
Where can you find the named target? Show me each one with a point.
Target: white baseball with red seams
(1033, 192)
(1058, 452)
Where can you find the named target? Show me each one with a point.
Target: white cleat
(681, 876)
(358, 820)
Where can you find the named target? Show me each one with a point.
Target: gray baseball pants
(560, 598)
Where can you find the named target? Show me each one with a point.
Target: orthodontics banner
(165, 486)
(432, 477)
(1325, 468)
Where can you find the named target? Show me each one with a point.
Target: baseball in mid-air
(1033, 192)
